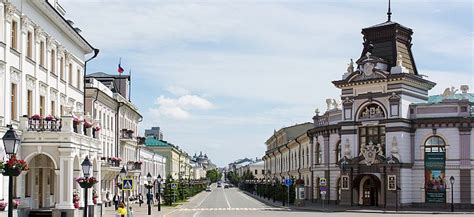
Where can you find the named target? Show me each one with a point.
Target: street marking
(196, 214)
(225, 195)
(230, 209)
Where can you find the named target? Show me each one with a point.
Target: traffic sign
(288, 182)
(127, 184)
(173, 185)
(323, 188)
(322, 181)
(323, 192)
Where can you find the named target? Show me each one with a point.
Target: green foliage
(233, 178)
(169, 194)
(213, 175)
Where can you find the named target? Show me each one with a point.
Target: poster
(435, 185)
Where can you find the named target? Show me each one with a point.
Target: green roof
(151, 141)
(439, 98)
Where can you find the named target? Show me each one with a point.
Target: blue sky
(220, 76)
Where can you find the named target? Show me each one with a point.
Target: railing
(111, 162)
(134, 165)
(127, 134)
(52, 125)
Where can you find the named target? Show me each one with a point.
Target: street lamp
(451, 180)
(148, 196)
(158, 179)
(123, 173)
(86, 170)
(11, 141)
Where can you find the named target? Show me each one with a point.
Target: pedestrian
(140, 199)
(116, 200)
(121, 211)
(130, 212)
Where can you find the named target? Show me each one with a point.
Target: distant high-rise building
(155, 132)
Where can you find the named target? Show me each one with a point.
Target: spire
(389, 13)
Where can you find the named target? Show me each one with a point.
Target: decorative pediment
(372, 111)
(371, 153)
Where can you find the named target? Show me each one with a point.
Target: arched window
(435, 162)
(319, 153)
(338, 151)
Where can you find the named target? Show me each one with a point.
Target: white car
(208, 189)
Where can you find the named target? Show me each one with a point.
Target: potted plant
(36, 117)
(13, 167)
(94, 196)
(3, 205)
(86, 182)
(76, 120)
(97, 128)
(75, 199)
(50, 118)
(87, 124)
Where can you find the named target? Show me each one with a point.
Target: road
(234, 203)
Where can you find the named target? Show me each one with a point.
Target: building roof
(152, 141)
(439, 98)
(105, 75)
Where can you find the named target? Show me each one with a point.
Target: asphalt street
(234, 203)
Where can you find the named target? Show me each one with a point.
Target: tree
(213, 175)
(169, 194)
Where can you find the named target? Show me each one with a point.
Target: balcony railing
(51, 125)
(134, 165)
(127, 134)
(113, 162)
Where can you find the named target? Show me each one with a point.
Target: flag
(120, 69)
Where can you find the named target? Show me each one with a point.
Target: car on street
(219, 185)
(226, 186)
(208, 189)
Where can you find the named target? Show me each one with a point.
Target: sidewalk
(318, 207)
(140, 211)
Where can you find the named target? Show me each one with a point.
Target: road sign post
(323, 189)
(288, 183)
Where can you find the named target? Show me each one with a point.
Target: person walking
(121, 211)
(116, 200)
(140, 199)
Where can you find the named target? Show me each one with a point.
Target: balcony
(134, 165)
(38, 124)
(110, 167)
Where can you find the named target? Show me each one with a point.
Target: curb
(354, 210)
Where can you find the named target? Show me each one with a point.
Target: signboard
(392, 182)
(288, 182)
(127, 184)
(323, 192)
(301, 193)
(173, 185)
(322, 181)
(435, 184)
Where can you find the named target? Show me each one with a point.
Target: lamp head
(11, 141)
(86, 167)
(451, 179)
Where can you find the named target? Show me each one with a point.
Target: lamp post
(123, 173)
(451, 180)
(11, 141)
(158, 179)
(149, 196)
(86, 170)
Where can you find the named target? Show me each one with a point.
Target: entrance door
(40, 189)
(369, 193)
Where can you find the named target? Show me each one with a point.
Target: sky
(219, 76)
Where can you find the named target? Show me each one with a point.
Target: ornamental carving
(25, 22)
(54, 94)
(9, 10)
(372, 111)
(43, 89)
(38, 33)
(370, 152)
(30, 83)
(15, 76)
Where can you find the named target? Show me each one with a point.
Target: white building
(42, 63)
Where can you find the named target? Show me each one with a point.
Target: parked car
(226, 186)
(219, 185)
(208, 189)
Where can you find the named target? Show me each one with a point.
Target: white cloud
(178, 91)
(179, 108)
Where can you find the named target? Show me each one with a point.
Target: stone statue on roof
(350, 68)
(449, 92)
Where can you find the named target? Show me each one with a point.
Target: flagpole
(130, 86)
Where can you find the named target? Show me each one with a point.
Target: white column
(66, 180)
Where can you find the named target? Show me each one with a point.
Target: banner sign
(435, 185)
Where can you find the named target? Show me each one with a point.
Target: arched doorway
(369, 189)
(40, 182)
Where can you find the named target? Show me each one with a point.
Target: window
(256, 172)
(27, 185)
(338, 151)
(42, 53)
(14, 35)
(61, 111)
(29, 44)
(319, 154)
(435, 164)
(61, 68)
(372, 134)
(14, 102)
(263, 172)
(53, 61)
(42, 105)
(29, 103)
(70, 74)
(79, 78)
(307, 156)
(53, 107)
